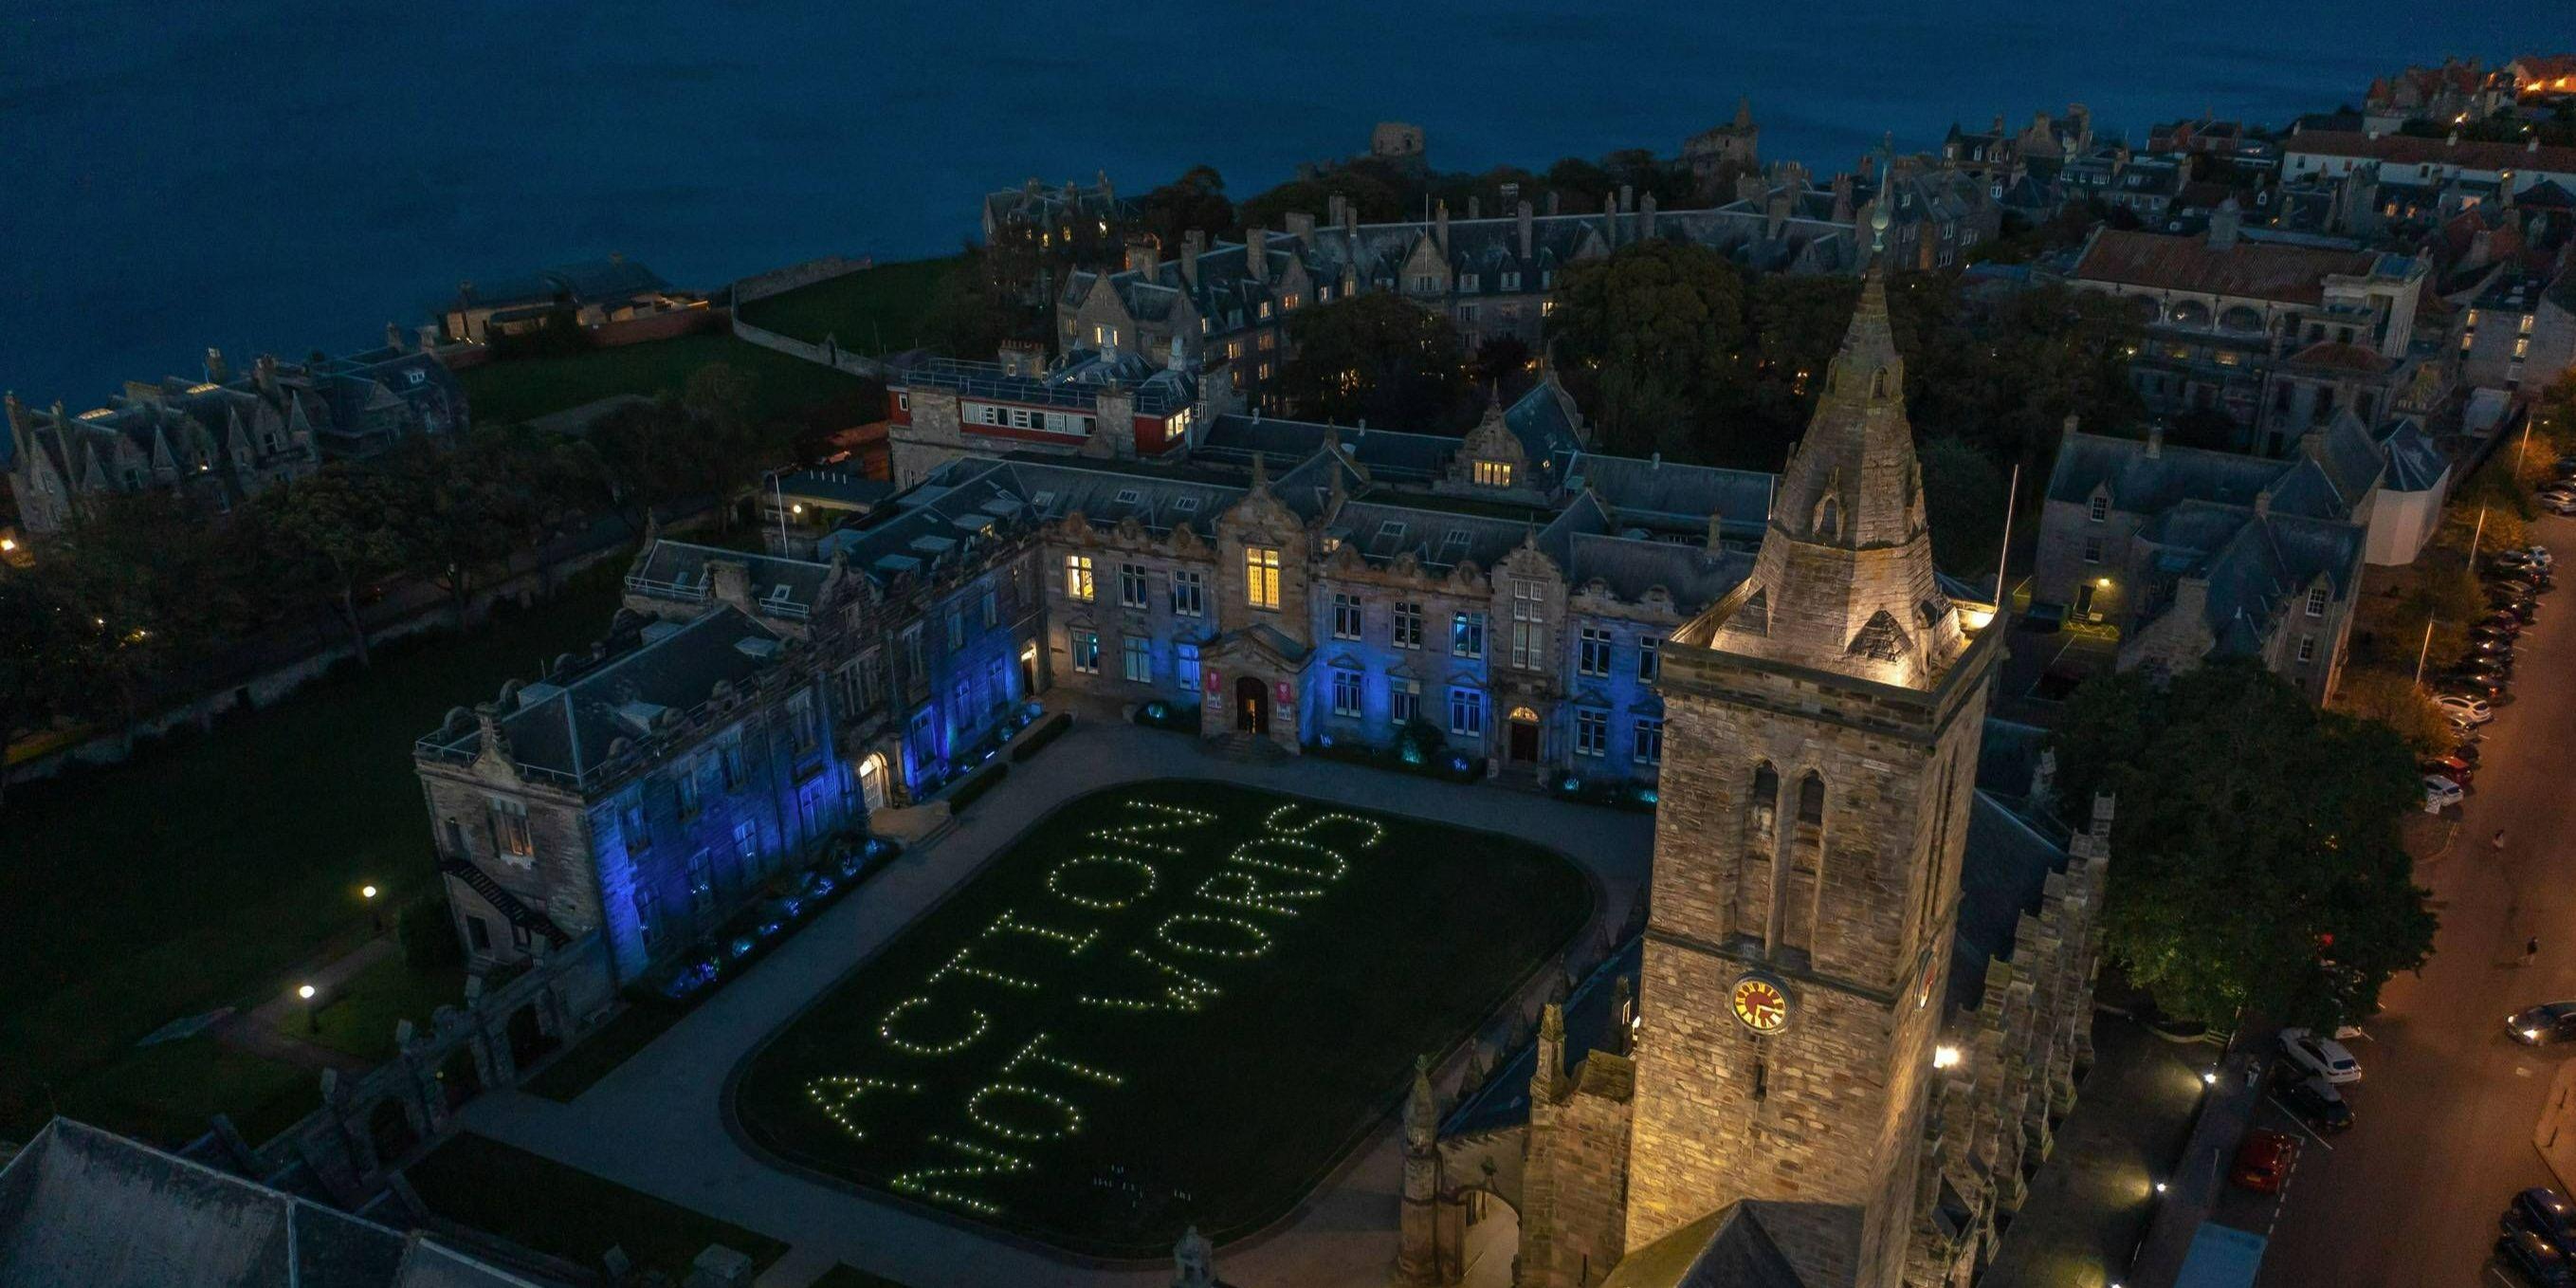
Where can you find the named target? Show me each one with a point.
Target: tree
(41, 664)
(328, 531)
(458, 513)
(644, 458)
(968, 317)
(1377, 357)
(2395, 700)
(160, 591)
(1653, 324)
(1964, 493)
(1194, 202)
(2256, 863)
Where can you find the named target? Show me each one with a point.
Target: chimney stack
(429, 338)
(394, 336)
(1521, 215)
(1256, 253)
(1440, 228)
(1193, 245)
(216, 372)
(1475, 206)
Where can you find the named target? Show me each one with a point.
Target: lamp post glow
(312, 1013)
(375, 911)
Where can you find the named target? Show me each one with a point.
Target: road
(2443, 1119)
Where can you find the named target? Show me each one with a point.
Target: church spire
(1846, 565)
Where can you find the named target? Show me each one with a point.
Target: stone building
(593, 293)
(1783, 1104)
(223, 439)
(1222, 307)
(646, 791)
(2190, 554)
(1716, 155)
(2275, 334)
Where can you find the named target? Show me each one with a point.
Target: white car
(2463, 709)
(2440, 793)
(2322, 1057)
(2558, 503)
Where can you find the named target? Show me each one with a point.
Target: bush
(1419, 749)
(428, 938)
(976, 784)
(1048, 731)
(1162, 714)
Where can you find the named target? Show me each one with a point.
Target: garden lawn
(1169, 1003)
(875, 310)
(358, 1017)
(522, 389)
(202, 874)
(547, 1207)
(171, 1091)
(594, 1057)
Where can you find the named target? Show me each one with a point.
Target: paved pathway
(656, 1123)
(262, 1029)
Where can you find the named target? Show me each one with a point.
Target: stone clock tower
(1822, 724)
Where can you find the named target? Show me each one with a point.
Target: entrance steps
(1244, 748)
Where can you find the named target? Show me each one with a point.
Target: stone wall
(372, 1123)
(779, 281)
(829, 353)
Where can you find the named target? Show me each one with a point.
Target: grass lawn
(1172, 1002)
(563, 1211)
(359, 1016)
(592, 1058)
(171, 1091)
(876, 310)
(525, 388)
(202, 874)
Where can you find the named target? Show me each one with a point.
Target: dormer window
(2316, 601)
(1493, 473)
(1128, 496)
(1390, 531)
(2101, 509)
(1511, 281)
(1466, 281)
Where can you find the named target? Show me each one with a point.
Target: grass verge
(875, 310)
(547, 1207)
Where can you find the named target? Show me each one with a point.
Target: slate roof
(1664, 495)
(1629, 568)
(1388, 455)
(2254, 564)
(565, 726)
(2415, 464)
(2252, 268)
(2407, 149)
(81, 1206)
(2143, 484)
(1732, 1247)
(678, 571)
(2009, 859)
(837, 487)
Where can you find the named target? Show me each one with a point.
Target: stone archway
(1492, 1242)
(459, 1080)
(1524, 743)
(391, 1132)
(872, 781)
(1252, 705)
(529, 1041)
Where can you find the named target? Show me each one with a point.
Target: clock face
(1760, 1004)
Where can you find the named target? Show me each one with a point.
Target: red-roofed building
(2270, 333)
(2405, 158)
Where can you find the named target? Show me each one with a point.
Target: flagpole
(2003, 555)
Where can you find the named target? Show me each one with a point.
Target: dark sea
(285, 175)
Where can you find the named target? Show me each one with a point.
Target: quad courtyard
(1137, 987)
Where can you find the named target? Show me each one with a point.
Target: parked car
(2466, 749)
(2467, 710)
(2543, 1025)
(2532, 1257)
(2523, 608)
(2516, 587)
(2324, 1057)
(2558, 503)
(2507, 623)
(2511, 559)
(2473, 683)
(2264, 1160)
(2441, 793)
(2544, 1212)
(2459, 774)
(2315, 1101)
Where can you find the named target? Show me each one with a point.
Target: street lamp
(312, 1013)
(375, 911)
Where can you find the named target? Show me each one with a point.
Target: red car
(2263, 1161)
(2450, 767)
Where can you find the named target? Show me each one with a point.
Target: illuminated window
(510, 834)
(1077, 578)
(1261, 576)
(1467, 635)
(1494, 473)
(1086, 652)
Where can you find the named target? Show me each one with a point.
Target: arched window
(1765, 800)
(1829, 518)
(1811, 799)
